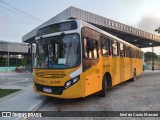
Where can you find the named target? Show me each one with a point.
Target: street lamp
(152, 59)
(8, 57)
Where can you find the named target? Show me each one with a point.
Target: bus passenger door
(91, 66)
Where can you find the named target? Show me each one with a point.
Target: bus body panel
(75, 91)
(90, 80)
(53, 77)
(54, 80)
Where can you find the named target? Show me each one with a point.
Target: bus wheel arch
(109, 79)
(135, 73)
(105, 83)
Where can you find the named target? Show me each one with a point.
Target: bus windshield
(58, 52)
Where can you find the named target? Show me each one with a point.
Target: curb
(40, 104)
(36, 107)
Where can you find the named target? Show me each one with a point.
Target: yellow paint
(121, 69)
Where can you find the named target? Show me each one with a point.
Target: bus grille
(57, 90)
(51, 75)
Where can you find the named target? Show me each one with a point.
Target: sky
(142, 14)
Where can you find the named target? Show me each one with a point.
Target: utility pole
(31, 57)
(152, 59)
(8, 57)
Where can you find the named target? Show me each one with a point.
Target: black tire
(104, 87)
(134, 75)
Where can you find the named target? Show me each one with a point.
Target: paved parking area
(24, 100)
(141, 95)
(11, 78)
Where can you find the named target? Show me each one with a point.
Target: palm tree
(157, 30)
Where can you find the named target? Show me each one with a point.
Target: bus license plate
(48, 90)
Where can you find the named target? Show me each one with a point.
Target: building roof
(14, 47)
(133, 35)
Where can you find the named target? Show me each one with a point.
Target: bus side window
(90, 48)
(130, 55)
(114, 48)
(124, 47)
(132, 52)
(105, 46)
(139, 54)
(142, 54)
(136, 54)
(126, 51)
(129, 52)
(121, 50)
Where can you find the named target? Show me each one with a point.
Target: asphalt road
(141, 95)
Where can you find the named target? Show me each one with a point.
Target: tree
(158, 60)
(157, 30)
(150, 55)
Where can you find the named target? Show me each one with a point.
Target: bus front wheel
(104, 87)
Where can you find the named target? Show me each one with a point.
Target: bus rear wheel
(104, 87)
(134, 75)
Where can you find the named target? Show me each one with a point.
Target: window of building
(130, 29)
(113, 24)
(116, 25)
(121, 26)
(109, 22)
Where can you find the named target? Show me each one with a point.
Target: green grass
(5, 92)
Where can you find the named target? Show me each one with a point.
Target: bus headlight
(68, 84)
(71, 82)
(75, 79)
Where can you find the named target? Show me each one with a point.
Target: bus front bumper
(74, 91)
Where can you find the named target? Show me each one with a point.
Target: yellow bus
(75, 59)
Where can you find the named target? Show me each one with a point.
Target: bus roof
(83, 23)
(105, 33)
